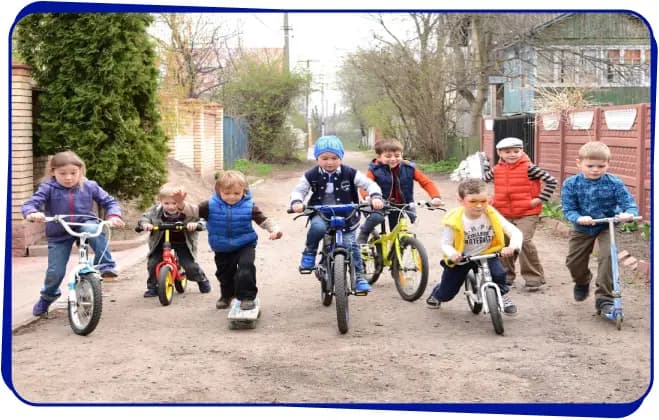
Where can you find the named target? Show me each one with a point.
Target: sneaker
(109, 273)
(509, 308)
(581, 291)
(204, 286)
(605, 309)
(41, 307)
(222, 303)
(150, 293)
(432, 302)
(247, 304)
(308, 261)
(362, 286)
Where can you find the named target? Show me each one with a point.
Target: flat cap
(510, 142)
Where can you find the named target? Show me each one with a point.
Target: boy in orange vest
(518, 196)
(474, 228)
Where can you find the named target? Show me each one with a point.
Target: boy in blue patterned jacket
(594, 194)
(229, 214)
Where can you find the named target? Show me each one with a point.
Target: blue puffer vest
(345, 190)
(230, 227)
(385, 179)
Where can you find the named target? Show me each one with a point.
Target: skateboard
(239, 319)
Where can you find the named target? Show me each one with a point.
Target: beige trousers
(578, 255)
(529, 262)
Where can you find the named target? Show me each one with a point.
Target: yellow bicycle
(400, 250)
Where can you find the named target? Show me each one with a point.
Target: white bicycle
(85, 301)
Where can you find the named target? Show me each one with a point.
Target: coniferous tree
(98, 90)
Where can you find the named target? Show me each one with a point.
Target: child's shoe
(108, 271)
(247, 304)
(41, 307)
(204, 286)
(581, 291)
(223, 303)
(150, 293)
(432, 302)
(604, 307)
(308, 261)
(509, 308)
(362, 286)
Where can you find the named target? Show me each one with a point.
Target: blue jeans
(58, 257)
(317, 229)
(454, 277)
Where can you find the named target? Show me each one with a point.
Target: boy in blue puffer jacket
(229, 214)
(65, 190)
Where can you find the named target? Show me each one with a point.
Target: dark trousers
(454, 277)
(580, 246)
(377, 217)
(192, 270)
(236, 273)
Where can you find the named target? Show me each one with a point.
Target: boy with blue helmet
(331, 182)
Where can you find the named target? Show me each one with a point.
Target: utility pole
(308, 113)
(322, 109)
(286, 47)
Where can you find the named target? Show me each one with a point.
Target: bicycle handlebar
(468, 258)
(615, 219)
(178, 226)
(60, 218)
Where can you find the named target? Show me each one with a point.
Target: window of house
(590, 74)
(612, 66)
(545, 66)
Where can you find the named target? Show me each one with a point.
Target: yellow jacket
(453, 219)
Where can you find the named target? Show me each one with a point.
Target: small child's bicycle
(335, 270)
(616, 313)
(400, 250)
(170, 274)
(482, 293)
(85, 301)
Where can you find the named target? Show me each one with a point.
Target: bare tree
(195, 53)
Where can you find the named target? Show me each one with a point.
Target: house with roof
(605, 54)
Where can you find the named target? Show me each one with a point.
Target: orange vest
(513, 190)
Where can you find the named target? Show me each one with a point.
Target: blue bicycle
(335, 270)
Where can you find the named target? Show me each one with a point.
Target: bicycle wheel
(339, 272)
(411, 272)
(85, 311)
(495, 312)
(372, 261)
(181, 283)
(165, 285)
(471, 286)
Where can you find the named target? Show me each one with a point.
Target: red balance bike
(169, 272)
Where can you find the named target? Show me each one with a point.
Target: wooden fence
(626, 129)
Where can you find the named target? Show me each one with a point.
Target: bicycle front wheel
(495, 311)
(341, 292)
(410, 273)
(165, 285)
(182, 282)
(85, 310)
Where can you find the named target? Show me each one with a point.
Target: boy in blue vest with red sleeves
(331, 182)
(229, 214)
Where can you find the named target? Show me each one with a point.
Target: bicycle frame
(484, 279)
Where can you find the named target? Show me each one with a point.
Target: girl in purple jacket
(65, 190)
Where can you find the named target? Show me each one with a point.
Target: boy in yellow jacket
(474, 228)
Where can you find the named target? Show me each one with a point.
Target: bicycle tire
(341, 292)
(165, 285)
(471, 286)
(495, 312)
(86, 313)
(410, 287)
(374, 265)
(181, 283)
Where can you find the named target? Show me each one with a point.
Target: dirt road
(554, 350)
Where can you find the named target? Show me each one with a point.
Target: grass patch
(443, 166)
(252, 168)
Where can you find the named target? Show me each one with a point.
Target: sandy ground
(554, 350)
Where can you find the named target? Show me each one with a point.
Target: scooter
(616, 313)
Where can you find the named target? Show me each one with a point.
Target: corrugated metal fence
(235, 140)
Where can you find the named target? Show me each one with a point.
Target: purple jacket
(52, 198)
